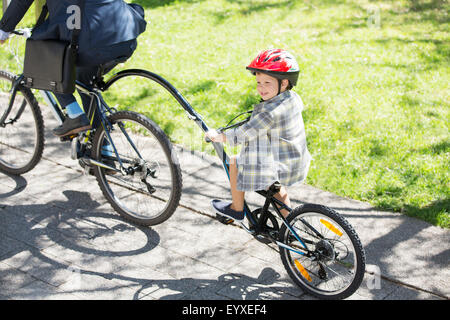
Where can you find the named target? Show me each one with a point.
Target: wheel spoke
(150, 189)
(336, 265)
(21, 136)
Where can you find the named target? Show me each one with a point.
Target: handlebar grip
(219, 130)
(22, 32)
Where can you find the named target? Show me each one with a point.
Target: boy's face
(267, 86)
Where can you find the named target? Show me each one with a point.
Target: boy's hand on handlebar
(215, 136)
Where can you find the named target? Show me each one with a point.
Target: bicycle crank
(92, 162)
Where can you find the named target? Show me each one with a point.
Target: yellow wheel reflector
(303, 270)
(331, 227)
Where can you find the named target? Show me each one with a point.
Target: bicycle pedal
(68, 138)
(223, 219)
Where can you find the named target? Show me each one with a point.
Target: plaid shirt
(274, 144)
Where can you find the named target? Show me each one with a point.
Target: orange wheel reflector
(331, 227)
(302, 270)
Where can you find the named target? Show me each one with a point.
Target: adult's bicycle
(139, 173)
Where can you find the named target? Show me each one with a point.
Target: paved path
(60, 239)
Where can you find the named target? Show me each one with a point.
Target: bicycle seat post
(268, 194)
(100, 70)
(97, 81)
(274, 189)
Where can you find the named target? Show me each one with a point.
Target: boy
(274, 141)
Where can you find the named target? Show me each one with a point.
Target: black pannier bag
(50, 64)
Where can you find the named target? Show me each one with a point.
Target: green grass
(374, 80)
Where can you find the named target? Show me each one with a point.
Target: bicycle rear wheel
(149, 190)
(22, 134)
(337, 264)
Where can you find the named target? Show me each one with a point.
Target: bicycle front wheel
(22, 130)
(335, 266)
(148, 189)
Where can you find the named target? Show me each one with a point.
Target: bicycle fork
(13, 92)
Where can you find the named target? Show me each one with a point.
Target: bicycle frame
(59, 116)
(194, 116)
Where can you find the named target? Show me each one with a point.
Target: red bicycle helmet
(277, 63)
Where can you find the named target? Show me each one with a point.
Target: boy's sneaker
(224, 208)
